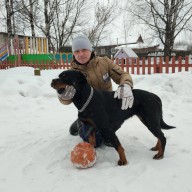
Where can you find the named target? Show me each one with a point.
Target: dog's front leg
(92, 138)
(103, 125)
(110, 136)
(122, 157)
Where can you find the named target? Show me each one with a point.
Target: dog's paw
(120, 162)
(158, 156)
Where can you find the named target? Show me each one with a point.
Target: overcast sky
(115, 33)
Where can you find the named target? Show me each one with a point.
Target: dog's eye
(62, 76)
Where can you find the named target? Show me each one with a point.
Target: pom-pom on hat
(81, 42)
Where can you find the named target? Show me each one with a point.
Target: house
(3, 38)
(126, 52)
(105, 50)
(25, 44)
(144, 50)
(110, 50)
(65, 49)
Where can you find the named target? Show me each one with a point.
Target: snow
(35, 143)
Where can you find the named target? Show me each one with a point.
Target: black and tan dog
(103, 112)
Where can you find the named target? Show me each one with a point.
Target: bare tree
(167, 18)
(49, 11)
(62, 18)
(69, 17)
(25, 13)
(3, 18)
(31, 16)
(103, 16)
(59, 20)
(9, 15)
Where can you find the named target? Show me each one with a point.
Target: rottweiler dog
(103, 112)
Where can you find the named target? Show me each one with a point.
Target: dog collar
(87, 102)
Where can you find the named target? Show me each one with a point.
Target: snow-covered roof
(125, 52)
(137, 46)
(181, 47)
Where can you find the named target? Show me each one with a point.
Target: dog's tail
(164, 125)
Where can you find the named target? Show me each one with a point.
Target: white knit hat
(81, 42)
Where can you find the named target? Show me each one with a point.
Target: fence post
(186, 63)
(180, 63)
(173, 64)
(55, 64)
(67, 62)
(52, 65)
(143, 65)
(155, 64)
(117, 61)
(60, 60)
(160, 66)
(127, 64)
(132, 66)
(149, 65)
(60, 64)
(167, 65)
(138, 66)
(122, 63)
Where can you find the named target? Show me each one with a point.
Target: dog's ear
(82, 78)
(73, 77)
(62, 74)
(79, 80)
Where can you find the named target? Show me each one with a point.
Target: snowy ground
(35, 144)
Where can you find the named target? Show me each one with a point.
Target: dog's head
(69, 77)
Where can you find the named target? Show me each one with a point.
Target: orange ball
(83, 155)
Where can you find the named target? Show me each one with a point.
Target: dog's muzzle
(60, 91)
(64, 91)
(54, 83)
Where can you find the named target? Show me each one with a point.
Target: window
(102, 51)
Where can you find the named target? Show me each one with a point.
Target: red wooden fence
(133, 66)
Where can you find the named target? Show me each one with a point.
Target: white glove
(124, 92)
(68, 93)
